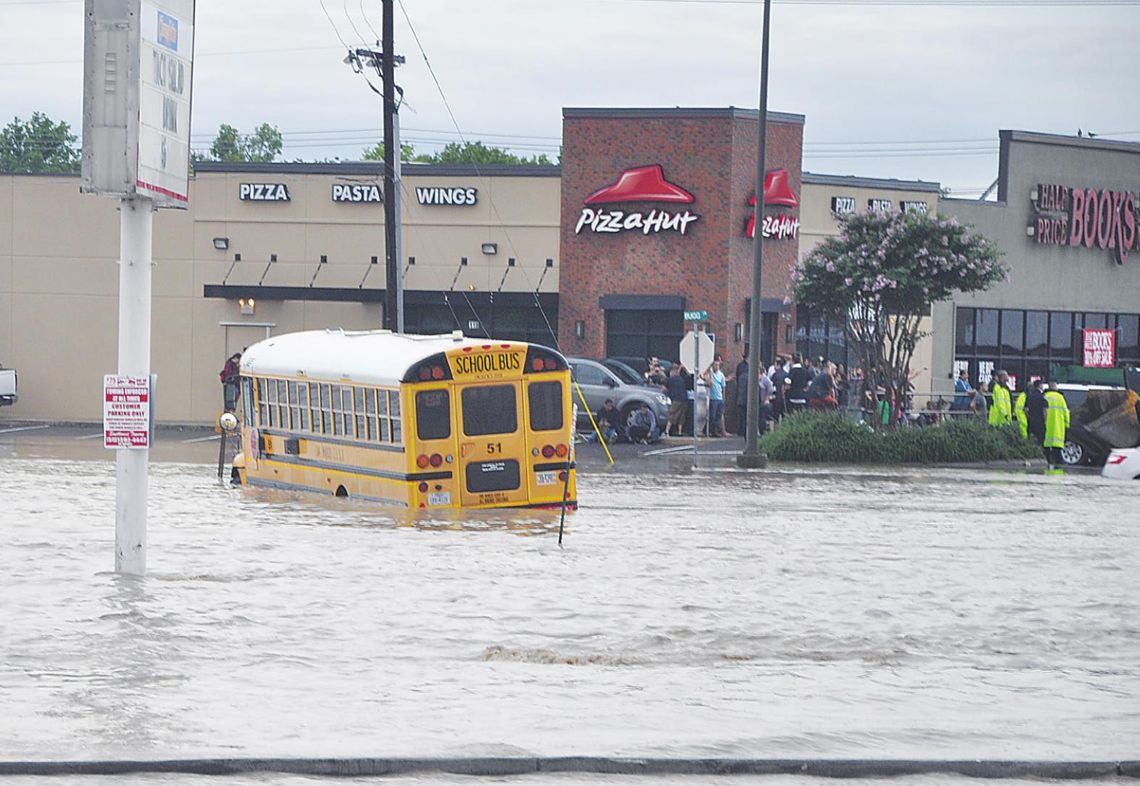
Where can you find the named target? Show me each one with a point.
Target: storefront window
(1095, 321)
(1128, 339)
(964, 341)
(1012, 333)
(1060, 332)
(1036, 333)
(634, 333)
(986, 331)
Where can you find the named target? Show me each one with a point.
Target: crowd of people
(793, 383)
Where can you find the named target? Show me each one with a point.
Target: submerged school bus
(421, 421)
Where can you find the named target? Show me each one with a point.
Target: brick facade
(711, 153)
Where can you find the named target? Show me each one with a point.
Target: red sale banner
(1100, 348)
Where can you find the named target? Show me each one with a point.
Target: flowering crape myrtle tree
(880, 276)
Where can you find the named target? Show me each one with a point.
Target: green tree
(376, 152)
(879, 277)
(478, 153)
(263, 145)
(38, 145)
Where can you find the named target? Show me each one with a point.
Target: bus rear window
(489, 410)
(545, 399)
(433, 414)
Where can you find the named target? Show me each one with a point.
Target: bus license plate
(546, 478)
(439, 498)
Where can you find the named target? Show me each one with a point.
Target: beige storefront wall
(59, 271)
(818, 222)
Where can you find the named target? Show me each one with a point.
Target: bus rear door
(492, 445)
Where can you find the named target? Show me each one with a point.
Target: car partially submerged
(1122, 464)
(8, 394)
(1102, 418)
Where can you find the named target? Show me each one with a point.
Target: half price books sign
(126, 412)
(1100, 348)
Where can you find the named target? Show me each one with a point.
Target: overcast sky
(913, 89)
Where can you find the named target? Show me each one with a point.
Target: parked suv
(599, 383)
(1101, 418)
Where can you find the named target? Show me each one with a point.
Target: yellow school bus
(418, 421)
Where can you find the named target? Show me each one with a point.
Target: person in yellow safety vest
(1001, 412)
(1019, 414)
(1056, 424)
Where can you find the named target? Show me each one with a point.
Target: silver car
(599, 383)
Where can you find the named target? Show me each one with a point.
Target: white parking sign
(126, 412)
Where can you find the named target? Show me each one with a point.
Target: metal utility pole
(384, 62)
(751, 457)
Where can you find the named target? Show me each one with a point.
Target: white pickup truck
(7, 386)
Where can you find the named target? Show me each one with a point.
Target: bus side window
(262, 402)
(346, 405)
(247, 400)
(337, 411)
(303, 406)
(294, 410)
(545, 399)
(370, 413)
(394, 413)
(324, 408)
(273, 412)
(358, 401)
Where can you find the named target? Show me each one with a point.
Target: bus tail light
(423, 486)
(561, 451)
(422, 461)
(562, 476)
(541, 359)
(548, 451)
(436, 459)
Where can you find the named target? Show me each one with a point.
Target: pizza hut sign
(777, 191)
(1089, 217)
(641, 184)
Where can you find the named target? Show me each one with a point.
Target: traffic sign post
(696, 353)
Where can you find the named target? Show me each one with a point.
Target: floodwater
(796, 612)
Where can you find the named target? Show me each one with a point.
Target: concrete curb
(499, 766)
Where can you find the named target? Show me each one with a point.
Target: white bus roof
(372, 357)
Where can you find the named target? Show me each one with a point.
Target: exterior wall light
(490, 248)
(580, 329)
(246, 306)
(221, 243)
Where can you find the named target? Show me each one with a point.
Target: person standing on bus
(229, 376)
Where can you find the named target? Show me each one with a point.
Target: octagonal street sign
(696, 351)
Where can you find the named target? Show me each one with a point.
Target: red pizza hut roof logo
(777, 191)
(640, 184)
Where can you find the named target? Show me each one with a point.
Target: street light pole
(751, 457)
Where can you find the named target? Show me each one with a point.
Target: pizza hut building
(657, 219)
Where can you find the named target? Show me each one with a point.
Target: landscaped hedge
(811, 436)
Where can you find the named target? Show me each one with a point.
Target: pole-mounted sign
(138, 58)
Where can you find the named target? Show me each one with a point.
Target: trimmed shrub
(830, 437)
